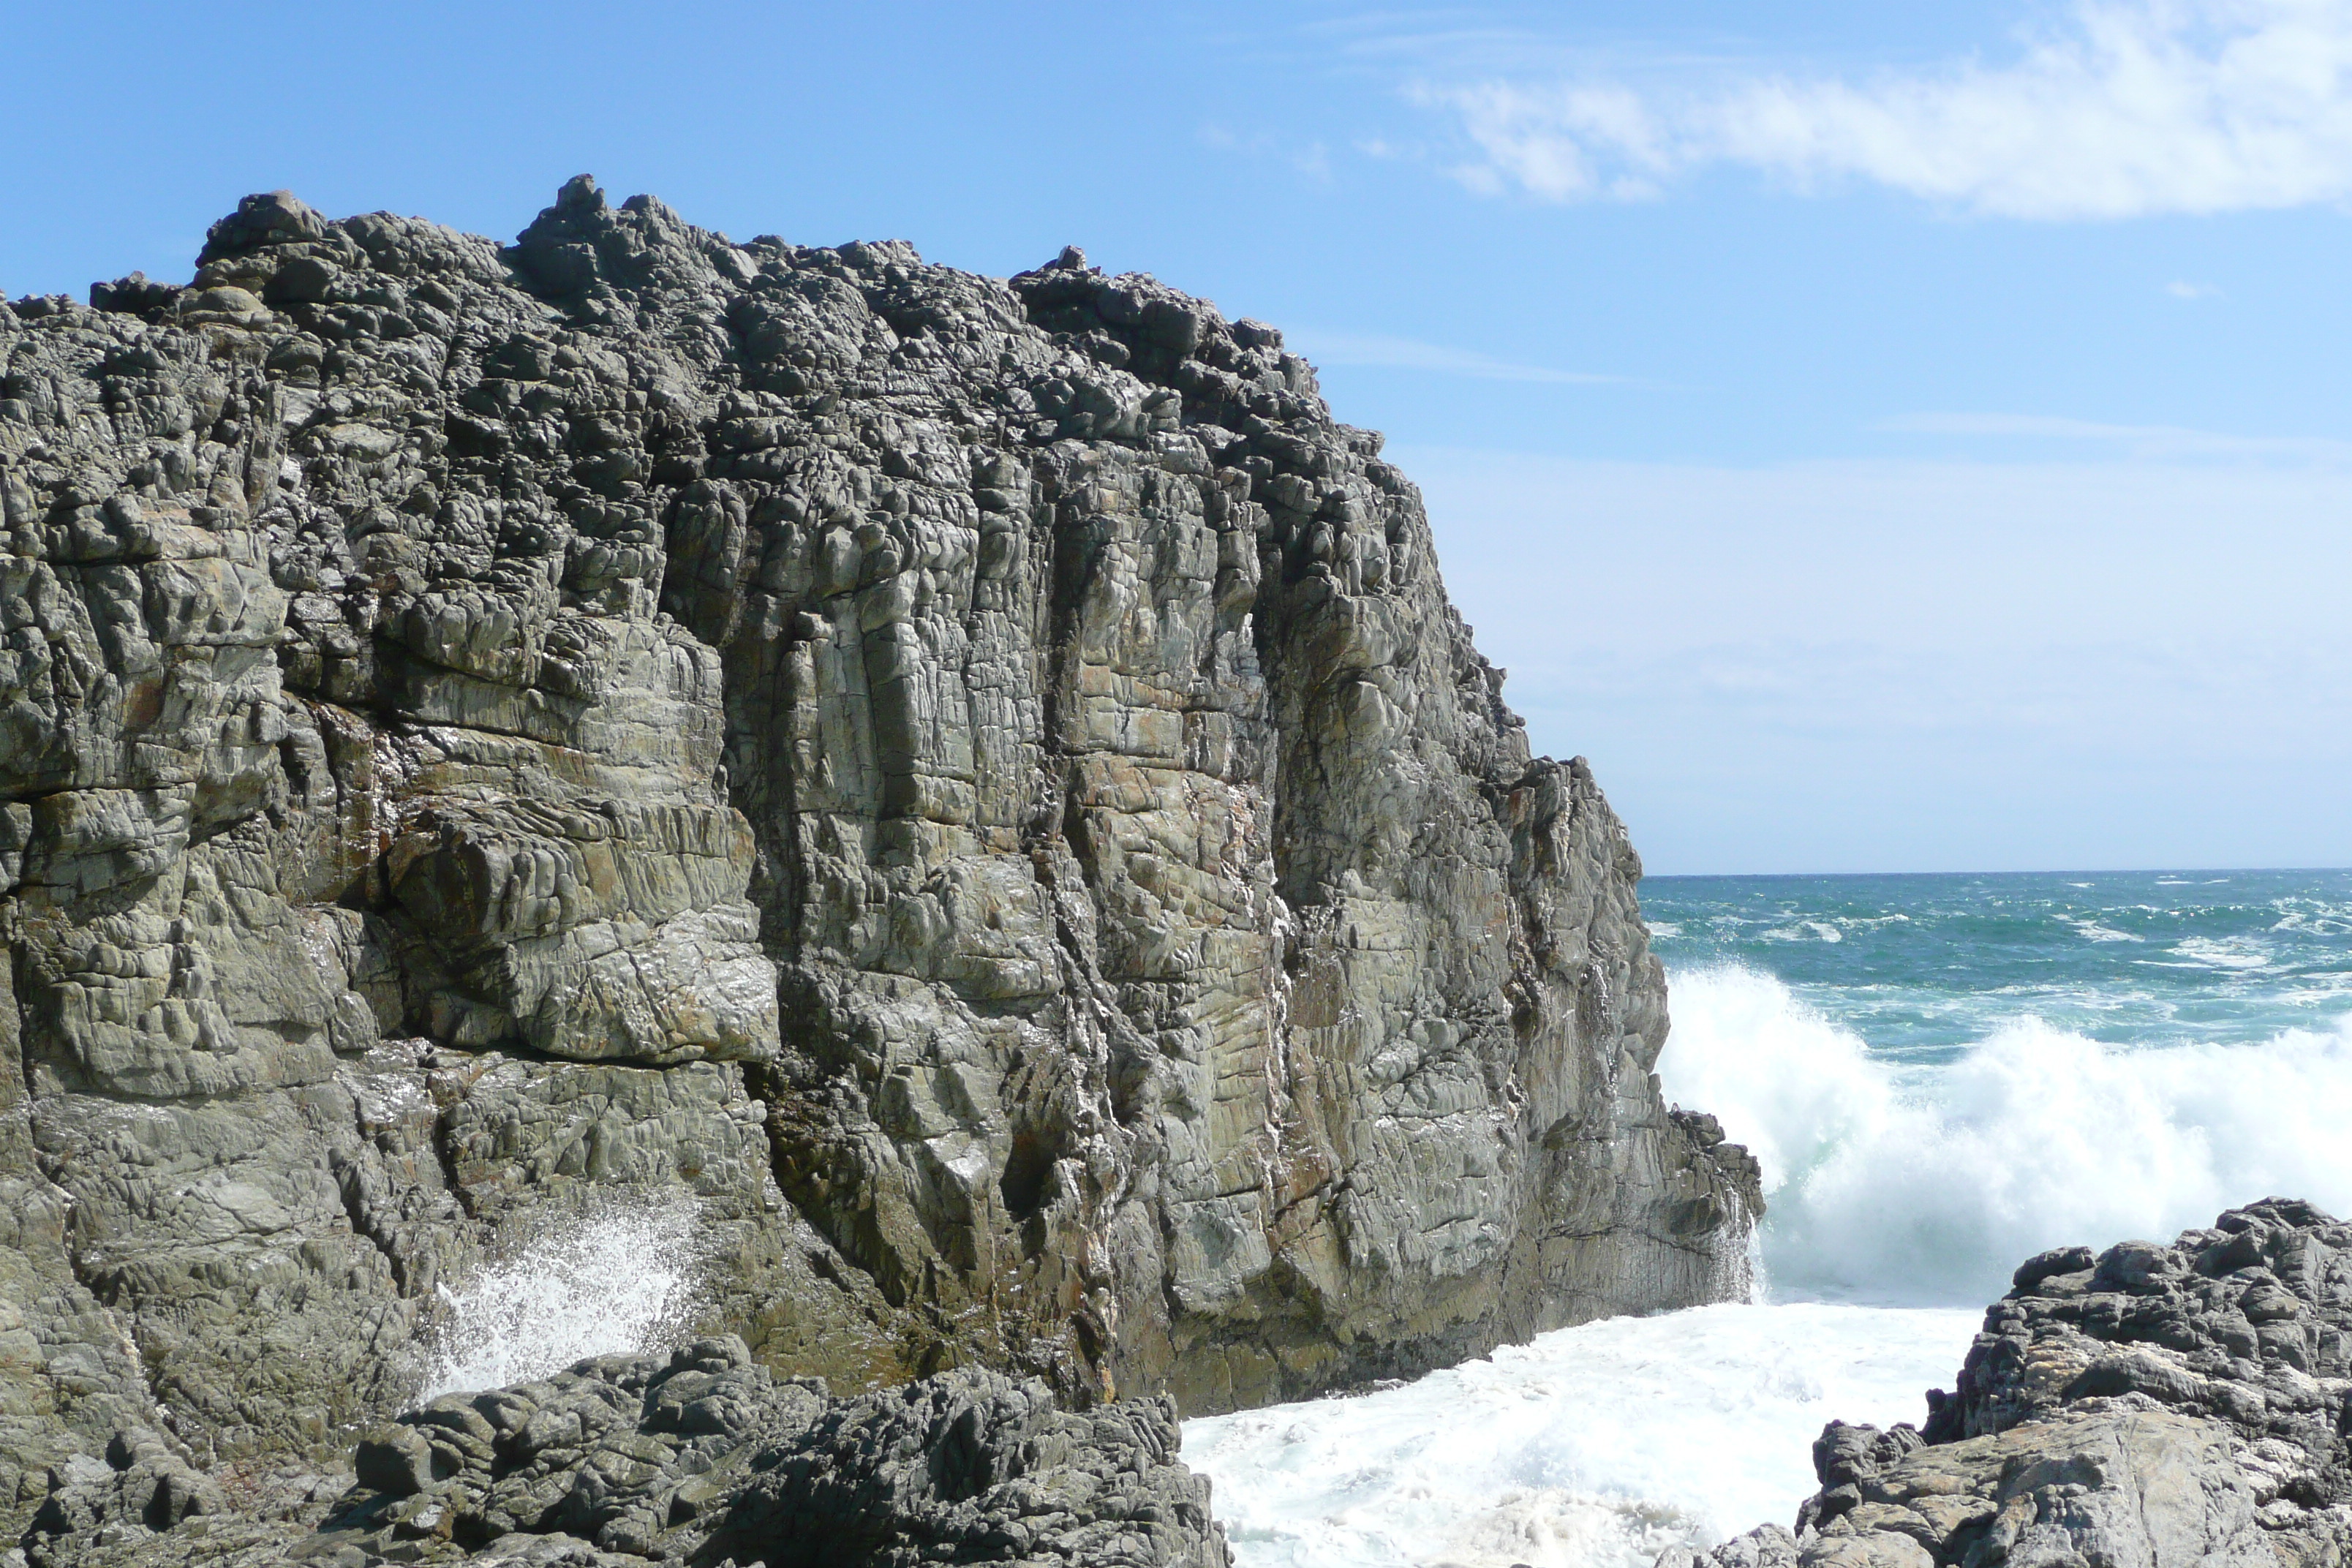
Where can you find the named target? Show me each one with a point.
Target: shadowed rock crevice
(977, 783)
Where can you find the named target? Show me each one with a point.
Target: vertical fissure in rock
(1012, 724)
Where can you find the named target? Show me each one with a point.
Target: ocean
(1941, 1075)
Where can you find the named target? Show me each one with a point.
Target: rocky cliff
(976, 783)
(2147, 1406)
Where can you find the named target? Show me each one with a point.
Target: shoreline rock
(2149, 1405)
(698, 1457)
(974, 784)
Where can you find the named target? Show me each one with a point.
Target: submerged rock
(2147, 1406)
(975, 784)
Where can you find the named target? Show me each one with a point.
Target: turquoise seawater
(1922, 966)
(1944, 1074)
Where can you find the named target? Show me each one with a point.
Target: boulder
(2119, 1408)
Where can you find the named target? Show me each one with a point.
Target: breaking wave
(1926, 1183)
(1948, 1115)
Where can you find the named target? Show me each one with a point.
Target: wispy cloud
(1311, 159)
(2124, 108)
(1408, 353)
(2141, 440)
(2181, 289)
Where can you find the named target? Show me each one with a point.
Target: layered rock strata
(2149, 1406)
(976, 783)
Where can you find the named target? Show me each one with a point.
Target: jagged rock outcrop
(978, 782)
(699, 1457)
(2144, 1408)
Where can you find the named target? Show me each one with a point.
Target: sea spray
(1595, 1447)
(622, 1274)
(1976, 1068)
(1926, 1182)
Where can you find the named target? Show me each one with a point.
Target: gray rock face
(2143, 1407)
(698, 1457)
(976, 783)
(706, 1458)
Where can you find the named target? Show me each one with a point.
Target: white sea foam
(1927, 1184)
(1801, 930)
(2224, 953)
(2325, 920)
(1592, 1448)
(622, 1275)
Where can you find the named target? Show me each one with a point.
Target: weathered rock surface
(2142, 1407)
(699, 1457)
(977, 783)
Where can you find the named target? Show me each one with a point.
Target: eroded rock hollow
(977, 783)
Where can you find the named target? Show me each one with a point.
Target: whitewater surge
(1595, 1447)
(1926, 1182)
(622, 1275)
(1947, 1075)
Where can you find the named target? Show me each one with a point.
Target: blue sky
(1879, 438)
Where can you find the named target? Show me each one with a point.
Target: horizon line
(1648, 875)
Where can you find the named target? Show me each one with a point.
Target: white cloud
(2181, 289)
(1408, 353)
(2131, 107)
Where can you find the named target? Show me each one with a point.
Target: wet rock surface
(976, 783)
(2148, 1405)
